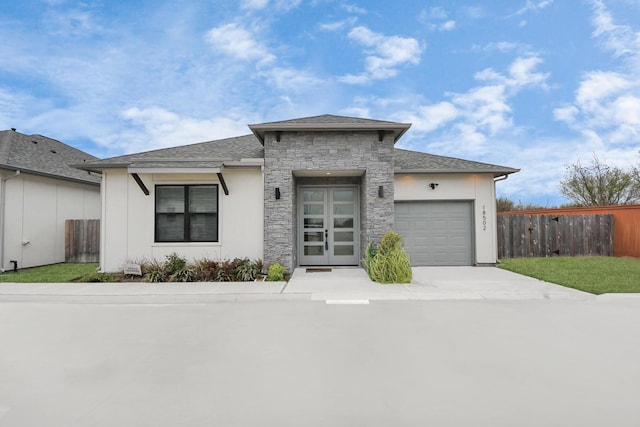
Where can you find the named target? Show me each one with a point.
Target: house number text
(484, 218)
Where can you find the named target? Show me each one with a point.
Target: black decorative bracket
(223, 183)
(138, 181)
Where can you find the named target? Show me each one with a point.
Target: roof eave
(49, 175)
(98, 167)
(398, 129)
(495, 173)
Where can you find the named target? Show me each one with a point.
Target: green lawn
(597, 275)
(56, 273)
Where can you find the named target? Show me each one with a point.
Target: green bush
(246, 271)
(174, 264)
(276, 272)
(177, 269)
(186, 274)
(389, 262)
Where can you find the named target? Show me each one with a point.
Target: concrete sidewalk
(338, 285)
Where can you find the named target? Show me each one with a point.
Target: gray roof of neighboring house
(44, 156)
(414, 161)
(203, 154)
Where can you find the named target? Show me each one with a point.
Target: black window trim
(186, 214)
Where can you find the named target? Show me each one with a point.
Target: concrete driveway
(429, 283)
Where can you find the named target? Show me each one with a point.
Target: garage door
(436, 233)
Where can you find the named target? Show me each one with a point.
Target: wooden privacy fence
(82, 240)
(533, 235)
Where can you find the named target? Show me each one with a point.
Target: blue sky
(531, 84)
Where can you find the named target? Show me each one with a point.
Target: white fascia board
(175, 170)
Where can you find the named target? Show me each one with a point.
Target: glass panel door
(328, 226)
(314, 227)
(343, 227)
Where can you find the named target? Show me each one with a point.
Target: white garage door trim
(437, 233)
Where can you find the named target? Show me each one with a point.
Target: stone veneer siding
(318, 151)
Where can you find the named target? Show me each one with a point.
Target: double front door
(328, 225)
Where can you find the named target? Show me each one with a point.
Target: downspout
(3, 198)
(497, 179)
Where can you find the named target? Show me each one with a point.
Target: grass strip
(597, 275)
(55, 273)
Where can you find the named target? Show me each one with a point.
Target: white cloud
(352, 8)
(474, 12)
(505, 47)
(472, 122)
(534, 6)
(291, 79)
(485, 108)
(431, 117)
(338, 25)
(76, 21)
(384, 54)
(436, 19)
(566, 113)
(622, 40)
(448, 25)
(238, 42)
(156, 127)
(521, 73)
(606, 106)
(599, 85)
(254, 4)
(436, 12)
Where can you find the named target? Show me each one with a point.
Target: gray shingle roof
(40, 155)
(329, 122)
(203, 154)
(414, 161)
(327, 119)
(212, 154)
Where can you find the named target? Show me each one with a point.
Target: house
(309, 191)
(38, 192)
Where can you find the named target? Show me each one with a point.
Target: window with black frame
(186, 213)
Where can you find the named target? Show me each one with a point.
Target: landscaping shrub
(246, 271)
(185, 274)
(389, 262)
(97, 277)
(174, 263)
(276, 272)
(206, 270)
(177, 269)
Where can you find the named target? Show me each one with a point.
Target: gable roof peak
(326, 119)
(329, 122)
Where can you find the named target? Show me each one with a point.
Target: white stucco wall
(479, 188)
(34, 213)
(129, 216)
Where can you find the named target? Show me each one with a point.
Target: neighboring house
(38, 192)
(310, 191)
